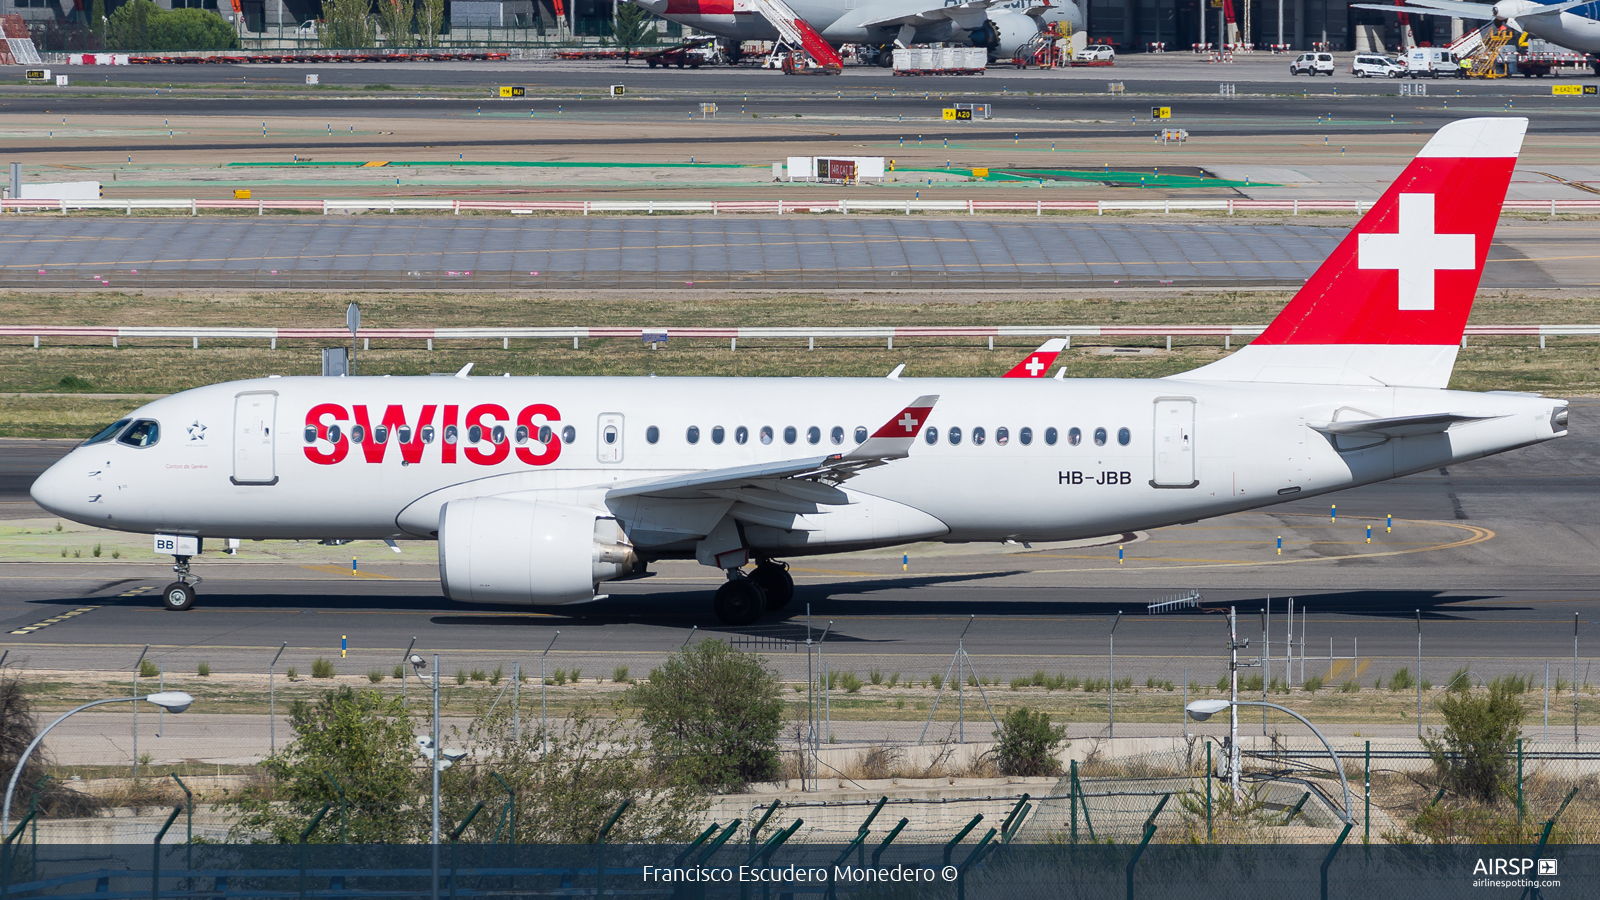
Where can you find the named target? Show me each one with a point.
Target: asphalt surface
(1496, 555)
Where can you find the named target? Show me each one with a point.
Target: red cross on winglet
(906, 422)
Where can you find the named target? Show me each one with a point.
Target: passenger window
(1074, 437)
(652, 434)
(1002, 436)
(611, 434)
(813, 435)
(451, 434)
(359, 435)
(693, 434)
(380, 435)
(978, 435)
(144, 433)
(766, 434)
(861, 434)
(522, 434)
(1099, 437)
(333, 434)
(427, 434)
(836, 435)
(1124, 436)
(1025, 435)
(110, 431)
(403, 434)
(1050, 436)
(931, 435)
(474, 434)
(955, 435)
(545, 434)
(311, 435)
(569, 435)
(741, 435)
(498, 435)
(790, 435)
(717, 434)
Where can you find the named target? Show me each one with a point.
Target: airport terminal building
(1134, 25)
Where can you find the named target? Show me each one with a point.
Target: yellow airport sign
(958, 115)
(1160, 112)
(980, 173)
(514, 91)
(1571, 90)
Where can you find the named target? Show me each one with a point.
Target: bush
(374, 675)
(399, 672)
(18, 727)
(1474, 754)
(1027, 743)
(850, 682)
(713, 715)
(875, 675)
(203, 670)
(321, 668)
(937, 680)
(291, 673)
(577, 673)
(1349, 687)
(1401, 680)
(142, 25)
(894, 678)
(1460, 681)
(461, 676)
(560, 676)
(498, 675)
(1512, 684)
(1312, 685)
(148, 668)
(1250, 683)
(620, 675)
(479, 675)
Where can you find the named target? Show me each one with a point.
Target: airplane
(1574, 25)
(1004, 26)
(540, 489)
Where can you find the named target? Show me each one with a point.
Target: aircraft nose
(62, 489)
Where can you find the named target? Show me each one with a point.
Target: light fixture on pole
(1201, 710)
(171, 701)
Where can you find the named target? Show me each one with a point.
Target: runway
(794, 252)
(1495, 554)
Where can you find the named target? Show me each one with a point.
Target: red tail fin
(1037, 364)
(1390, 304)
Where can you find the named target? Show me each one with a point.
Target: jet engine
(1005, 33)
(508, 551)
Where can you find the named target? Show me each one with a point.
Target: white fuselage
(1247, 446)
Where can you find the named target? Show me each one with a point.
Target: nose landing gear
(179, 596)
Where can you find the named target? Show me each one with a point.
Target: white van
(1430, 62)
(1312, 64)
(1369, 66)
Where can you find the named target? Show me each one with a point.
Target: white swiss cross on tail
(893, 440)
(1415, 251)
(1039, 361)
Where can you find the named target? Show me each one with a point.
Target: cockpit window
(144, 433)
(107, 433)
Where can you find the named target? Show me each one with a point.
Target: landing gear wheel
(774, 579)
(740, 602)
(178, 597)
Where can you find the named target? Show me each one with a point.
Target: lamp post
(1201, 710)
(172, 701)
(272, 697)
(1111, 678)
(544, 734)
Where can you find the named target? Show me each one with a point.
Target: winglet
(1038, 362)
(893, 439)
(464, 370)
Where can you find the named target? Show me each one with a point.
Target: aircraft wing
(933, 15)
(1400, 426)
(1451, 8)
(799, 479)
(1553, 9)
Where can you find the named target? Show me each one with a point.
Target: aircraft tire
(740, 601)
(178, 597)
(775, 580)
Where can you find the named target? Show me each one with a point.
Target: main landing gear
(743, 598)
(179, 596)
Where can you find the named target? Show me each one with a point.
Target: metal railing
(784, 206)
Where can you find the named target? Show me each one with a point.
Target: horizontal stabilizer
(1400, 426)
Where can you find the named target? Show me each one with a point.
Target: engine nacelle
(1008, 32)
(508, 551)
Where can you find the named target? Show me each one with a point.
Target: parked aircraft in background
(538, 490)
(1004, 26)
(1574, 25)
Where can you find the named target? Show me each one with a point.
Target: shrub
(148, 668)
(1312, 685)
(1349, 687)
(1513, 684)
(713, 715)
(498, 675)
(894, 678)
(291, 673)
(374, 675)
(851, 682)
(936, 679)
(321, 668)
(1027, 743)
(1222, 683)
(96, 550)
(1095, 685)
(142, 25)
(399, 672)
(619, 675)
(1460, 681)
(1473, 755)
(560, 676)
(74, 383)
(1251, 683)
(577, 673)
(1401, 680)
(203, 670)
(479, 675)
(875, 675)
